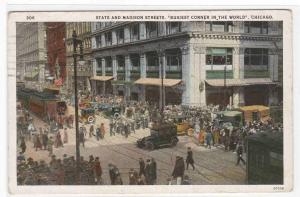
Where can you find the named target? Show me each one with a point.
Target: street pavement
(213, 166)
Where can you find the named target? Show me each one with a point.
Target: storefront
(153, 90)
(102, 85)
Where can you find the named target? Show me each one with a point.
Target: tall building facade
(201, 63)
(84, 72)
(56, 50)
(31, 54)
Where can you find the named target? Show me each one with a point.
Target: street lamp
(77, 42)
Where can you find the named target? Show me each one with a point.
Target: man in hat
(142, 167)
(153, 170)
(50, 146)
(178, 171)
(45, 139)
(112, 174)
(189, 158)
(97, 171)
(240, 151)
(81, 137)
(65, 135)
(23, 145)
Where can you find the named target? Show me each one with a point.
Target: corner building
(202, 63)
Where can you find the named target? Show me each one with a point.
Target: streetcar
(265, 158)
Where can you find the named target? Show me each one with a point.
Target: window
(173, 27)
(219, 26)
(219, 56)
(256, 27)
(135, 32)
(99, 64)
(108, 38)
(121, 62)
(256, 56)
(120, 36)
(152, 61)
(135, 62)
(108, 63)
(152, 29)
(173, 60)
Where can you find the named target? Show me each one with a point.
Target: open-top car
(161, 135)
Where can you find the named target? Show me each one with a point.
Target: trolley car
(265, 158)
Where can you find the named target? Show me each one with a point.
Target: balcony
(251, 71)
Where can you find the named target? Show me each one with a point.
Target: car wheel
(173, 142)
(150, 146)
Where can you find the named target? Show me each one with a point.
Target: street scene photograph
(149, 103)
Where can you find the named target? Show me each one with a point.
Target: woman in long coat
(37, 142)
(58, 142)
(65, 136)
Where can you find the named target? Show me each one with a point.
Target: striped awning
(240, 82)
(102, 78)
(157, 82)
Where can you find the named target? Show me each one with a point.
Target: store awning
(240, 82)
(102, 78)
(157, 82)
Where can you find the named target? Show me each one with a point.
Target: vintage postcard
(148, 102)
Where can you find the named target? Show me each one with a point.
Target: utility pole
(75, 44)
(225, 88)
(162, 88)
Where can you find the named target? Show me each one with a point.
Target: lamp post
(77, 42)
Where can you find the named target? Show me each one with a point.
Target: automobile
(161, 135)
(232, 118)
(182, 125)
(87, 115)
(255, 113)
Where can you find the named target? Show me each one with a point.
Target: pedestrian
(189, 158)
(208, 139)
(149, 173)
(65, 136)
(23, 145)
(50, 146)
(111, 127)
(98, 133)
(240, 151)
(133, 177)
(178, 171)
(102, 130)
(45, 139)
(37, 142)
(112, 174)
(142, 167)
(118, 179)
(126, 130)
(153, 170)
(81, 137)
(58, 141)
(91, 133)
(97, 171)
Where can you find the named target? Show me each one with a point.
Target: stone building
(31, 54)
(201, 63)
(84, 72)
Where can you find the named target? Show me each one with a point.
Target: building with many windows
(84, 72)
(31, 54)
(201, 63)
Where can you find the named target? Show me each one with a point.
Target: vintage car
(255, 113)
(87, 115)
(112, 111)
(182, 125)
(228, 119)
(161, 135)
